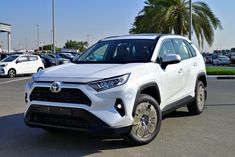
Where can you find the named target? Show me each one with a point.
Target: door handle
(180, 71)
(195, 64)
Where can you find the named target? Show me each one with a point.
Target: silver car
(221, 60)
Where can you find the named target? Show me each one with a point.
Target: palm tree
(82, 46)
(172, 16)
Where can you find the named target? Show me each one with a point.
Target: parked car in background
(3, 55)
(208, 59)
(221, 60)
(66, 55)
(20, 64)
(48, 60)
(72, 53)
(59, 59)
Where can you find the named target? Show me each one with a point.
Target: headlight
(3, 65)
(109, 83)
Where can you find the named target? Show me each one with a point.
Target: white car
(120, 86)
(20, 64)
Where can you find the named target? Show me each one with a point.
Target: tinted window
(23, 59)
(33, 58)
(182, 49)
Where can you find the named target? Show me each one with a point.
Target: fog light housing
(119, 106)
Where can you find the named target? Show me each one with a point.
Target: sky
(91, 20)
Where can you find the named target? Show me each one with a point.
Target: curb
(222, 77)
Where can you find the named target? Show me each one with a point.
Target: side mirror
(17, 61)
(170, 59)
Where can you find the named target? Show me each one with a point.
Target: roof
(133, 36)
(1, 23)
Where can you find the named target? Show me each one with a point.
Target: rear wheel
(12, 73)
(146, 122)
(197, 106)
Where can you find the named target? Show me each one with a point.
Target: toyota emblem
(55, 87)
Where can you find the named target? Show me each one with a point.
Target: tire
(39, 69)
(12, 73)
(149, 121)
(197, 106)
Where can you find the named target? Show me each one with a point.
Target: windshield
(119, 51)
(9, 58)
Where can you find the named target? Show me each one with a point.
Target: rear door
(33, 64)
(188, 67)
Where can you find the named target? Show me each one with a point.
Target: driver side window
(166, 48)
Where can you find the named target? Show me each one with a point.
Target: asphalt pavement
(210, 134)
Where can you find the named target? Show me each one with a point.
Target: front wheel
(147, 121)
(12, 73)
(197, 106)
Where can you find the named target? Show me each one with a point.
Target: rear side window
(192, 50)
(33, 58)
(182, 49)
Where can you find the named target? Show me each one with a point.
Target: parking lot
(208, 135)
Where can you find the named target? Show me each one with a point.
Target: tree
(79, 45)
(48, 47)
(172, 16)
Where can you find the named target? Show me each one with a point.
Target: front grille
(59, 120)
(66, 95)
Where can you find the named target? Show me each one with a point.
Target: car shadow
(16, 139)
(177, 114)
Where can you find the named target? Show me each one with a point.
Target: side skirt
(172, 107)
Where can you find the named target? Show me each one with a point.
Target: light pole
(53, 25)
(190, 19)
(38, 35)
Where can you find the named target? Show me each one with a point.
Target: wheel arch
(202, 77)
(12, 69)
(150, 89)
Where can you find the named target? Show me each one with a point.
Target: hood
(2, 63)
(85, 72)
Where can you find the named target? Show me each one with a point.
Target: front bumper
(2, 71)
(101, 116)
(70, 119)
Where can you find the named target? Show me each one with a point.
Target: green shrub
(220, 71)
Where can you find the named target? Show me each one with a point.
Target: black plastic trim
(171, 107)
(199, 75)
(141, 88)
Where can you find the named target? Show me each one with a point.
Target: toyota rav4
(122, 85)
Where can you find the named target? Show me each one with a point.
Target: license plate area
(56, 110)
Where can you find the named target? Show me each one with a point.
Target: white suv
(20, 64)
(120, 86)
